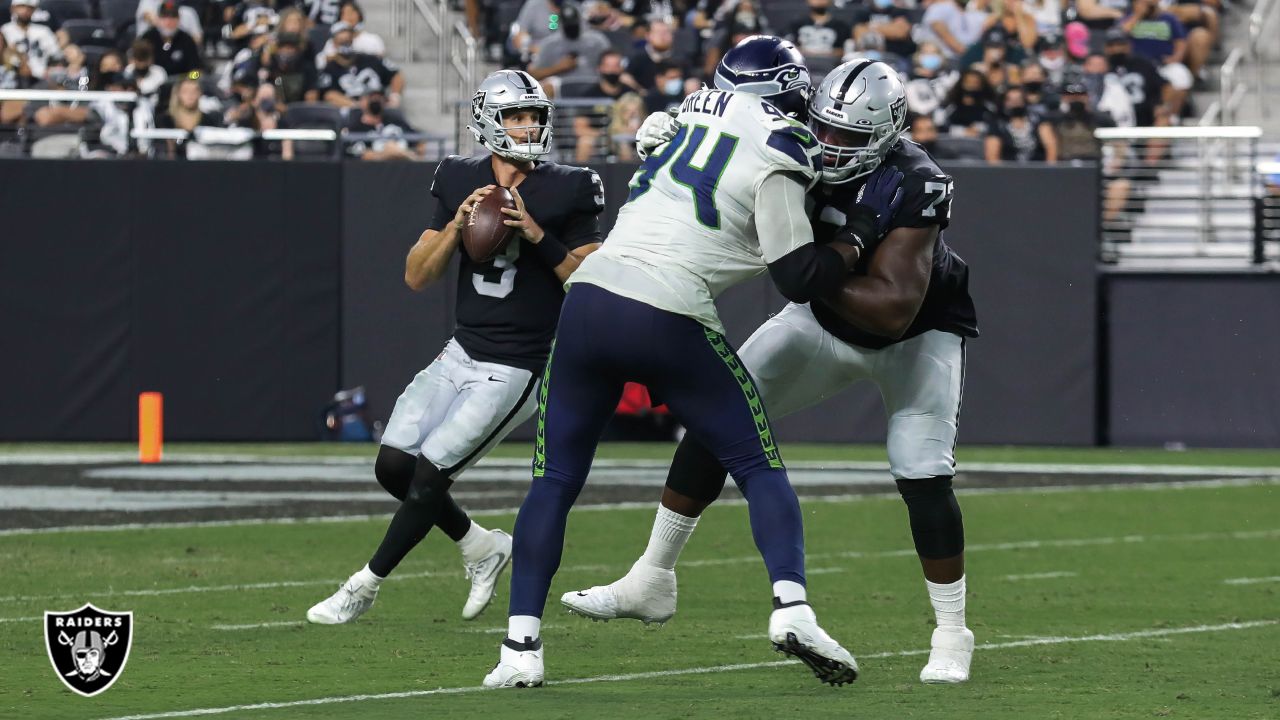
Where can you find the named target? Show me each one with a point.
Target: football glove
(654, 132)
(878, 200)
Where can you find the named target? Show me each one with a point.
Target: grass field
(1086, 604)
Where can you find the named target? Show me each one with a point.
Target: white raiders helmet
(507, 90)
(857, 114)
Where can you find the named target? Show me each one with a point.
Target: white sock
(671, 532)
(523, 628)
(475, 543)
(366, 576)
(948, 602)
(788, 591)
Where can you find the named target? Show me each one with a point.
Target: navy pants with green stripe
(603, 342)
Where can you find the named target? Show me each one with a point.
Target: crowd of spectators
(1001, 80)
(221, 70)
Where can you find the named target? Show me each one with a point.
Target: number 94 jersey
(687, 232)
(926, 202)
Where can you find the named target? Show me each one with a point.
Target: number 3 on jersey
(701, 180)
(499, 278)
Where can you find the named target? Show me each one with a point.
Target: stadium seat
(121, 13)
(101, 33)
(316, 38)
(93, 53)
(314, 116)
(4, 11)
(64, 10)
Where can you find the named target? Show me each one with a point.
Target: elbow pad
(809, 271)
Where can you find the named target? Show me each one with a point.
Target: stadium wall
(248, 293)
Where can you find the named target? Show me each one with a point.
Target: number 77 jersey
(688, 232)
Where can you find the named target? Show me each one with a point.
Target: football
(484, 236)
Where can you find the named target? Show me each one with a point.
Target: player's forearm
(429, 257)
(876, 305)
(573, 260)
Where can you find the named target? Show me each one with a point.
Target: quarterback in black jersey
(483, 384)
(900, 320)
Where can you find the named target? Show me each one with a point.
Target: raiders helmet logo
(88, 647)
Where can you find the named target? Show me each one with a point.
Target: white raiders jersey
(688, 230)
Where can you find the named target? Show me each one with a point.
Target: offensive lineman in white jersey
(720, 203)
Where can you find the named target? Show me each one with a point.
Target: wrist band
(551, 251)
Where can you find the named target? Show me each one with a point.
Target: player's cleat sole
(484, 575)
(950, 657)
(794, 631)
(645, 593)
(832, 672)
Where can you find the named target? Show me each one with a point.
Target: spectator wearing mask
(1076, 142)
(608, 79)
(969, 111)
(143, 71)
(175, 51)
(363, 41)
(928, 81)
(1107, 94)
(1041, 96)
(263, 112)
(1146, 86)
(571, 54)
(349, 76)
(281, 64)
(32, 42)
(1160, 38)
(533, 25)
(642, 65)
(951, 27)
(669, 90)
(147, 17)
(889, 21)
(1018, 137)
(735, 20)
(996, 47)
(1051, 57)
(387, 137)
(822, 34)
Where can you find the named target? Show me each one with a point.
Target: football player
(482, 385)
(900, 320)
(721, 202)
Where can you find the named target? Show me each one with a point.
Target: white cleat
(351, 601)
(950, 657)
(794, 631)
(518, 667)
(484, 574)
(645, 593)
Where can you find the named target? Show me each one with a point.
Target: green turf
(661, 451)
(1167, 574)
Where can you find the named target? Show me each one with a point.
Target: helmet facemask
(488, 128)
(848, 154)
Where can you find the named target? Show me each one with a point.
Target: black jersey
(926, 202)
(507, 308)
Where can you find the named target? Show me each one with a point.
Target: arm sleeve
(443, 213)
(799, 267)
(583, 226)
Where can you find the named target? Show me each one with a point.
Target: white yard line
(1104, 487)
(20, 619)
(850, 554)
(1109, 637)
(1252, 580)
(255, 626)
(1042, 575)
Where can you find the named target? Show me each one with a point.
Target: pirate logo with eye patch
(88, 647)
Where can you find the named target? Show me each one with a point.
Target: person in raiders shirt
(349, 75)
(821, 34)
(899, 320)
(484, 383)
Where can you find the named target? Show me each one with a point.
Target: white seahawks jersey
(688, 230)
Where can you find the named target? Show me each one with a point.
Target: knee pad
(394, 470)
(695, 472)
(429, 483)
(937, 527)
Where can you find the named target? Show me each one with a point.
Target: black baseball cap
(995, 38)
(168, 9)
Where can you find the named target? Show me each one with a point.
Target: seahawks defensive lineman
(722, 202)
(900, 321)
(483, 383)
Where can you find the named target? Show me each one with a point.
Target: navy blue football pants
(604, 341)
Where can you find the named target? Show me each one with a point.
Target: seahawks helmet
(857, 114)
(769, 67)
(501, 92)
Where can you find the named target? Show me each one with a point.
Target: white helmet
(507, 90)
(857, 115)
